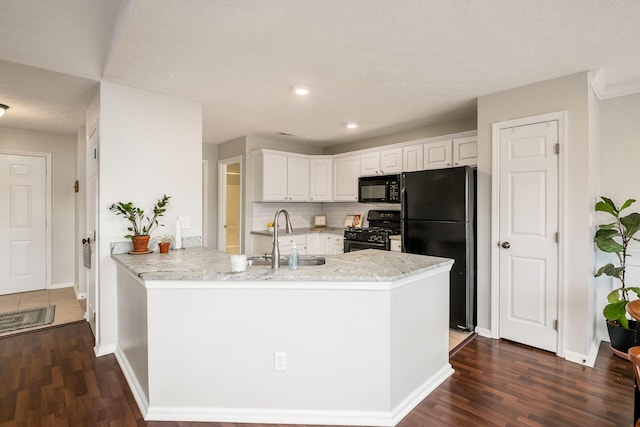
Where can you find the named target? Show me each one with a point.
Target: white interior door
(23, 228)
(92, 226)
(528, 209)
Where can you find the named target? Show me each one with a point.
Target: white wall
(210, 153)
(150, 145)
(569, 93)
(62, 150)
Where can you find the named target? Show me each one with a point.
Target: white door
(23, 257)
(91, 223)
(528, 201)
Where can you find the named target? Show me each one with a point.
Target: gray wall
(210, 221)
(63, 234)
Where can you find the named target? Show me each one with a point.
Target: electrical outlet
(279, 361)
(185, 222)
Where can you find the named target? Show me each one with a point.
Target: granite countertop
(298, 230)
(202, 264)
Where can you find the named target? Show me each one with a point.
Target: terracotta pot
(140, 243)
(164, 247)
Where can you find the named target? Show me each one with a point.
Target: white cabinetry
(320, 179)
(324, 243)
(286, 241)
(412, 158)
(345, 178)
(465, 151)
(438, 154)
(451, 152)
(381, 162)
(280, 176)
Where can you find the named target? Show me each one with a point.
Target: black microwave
(379, 189)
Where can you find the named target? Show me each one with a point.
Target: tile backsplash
(302, 214)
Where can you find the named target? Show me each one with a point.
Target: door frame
(561, 118)
(47, 201)
(222, 201)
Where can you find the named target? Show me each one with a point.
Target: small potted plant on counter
(614, 238)
(141, 225)
(164, 242)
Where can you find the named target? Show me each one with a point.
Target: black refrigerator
(438, 218)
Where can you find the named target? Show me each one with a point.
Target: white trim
(222, 192)
(62, 285)
(561, 118)
(603, 90)
(129, 374)
(484, 332)
(585, 359)
(47, 197)
(297, 416)
(103, 350)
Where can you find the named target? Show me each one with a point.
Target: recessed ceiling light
(3, 109)
(302, 89)
(352, 125)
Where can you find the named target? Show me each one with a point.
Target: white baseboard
(129, 374)
(61, 285)
(483, 332)
(284, 416)
(585, 359)
(103, 350)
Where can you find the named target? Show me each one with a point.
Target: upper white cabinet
(345, 178)
(412, 158)
(280, 176)
(321, 178)
(465, 151)
(452, 152)
(381, 162)
(438, 154)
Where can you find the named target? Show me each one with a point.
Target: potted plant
(615, 238)
(141, 225)
(164, 242)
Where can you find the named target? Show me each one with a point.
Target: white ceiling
(390, 65)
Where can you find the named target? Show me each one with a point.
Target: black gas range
(382, 225)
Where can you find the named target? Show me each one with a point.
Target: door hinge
(555, 324)
(95, 153)
(557, 148)
(557, 237)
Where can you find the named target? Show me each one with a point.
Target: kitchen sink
(261, 260)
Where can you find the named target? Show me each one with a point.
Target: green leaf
(626, 204)
(607, 205)
(605, 240)
(610, 226)
(611, 271)
(635, 290)
(614, 297)
(615, 310)
(632, 223)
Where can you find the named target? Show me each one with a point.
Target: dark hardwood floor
(52, 377)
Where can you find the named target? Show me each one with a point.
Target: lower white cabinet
(324, 244)
(286, 241)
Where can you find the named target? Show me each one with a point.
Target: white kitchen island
(360, 340)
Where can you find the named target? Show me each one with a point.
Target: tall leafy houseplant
(614, 238)
(141, 225)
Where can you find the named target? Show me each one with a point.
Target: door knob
(506, 245)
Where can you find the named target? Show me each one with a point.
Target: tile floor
(68, 307)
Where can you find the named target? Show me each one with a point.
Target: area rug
(27, 318)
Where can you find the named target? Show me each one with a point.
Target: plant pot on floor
(164, 247)
(622, 339)
(140, 243)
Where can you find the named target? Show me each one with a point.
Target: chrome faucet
(275, 254)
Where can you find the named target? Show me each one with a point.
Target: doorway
(527, 196)
(24, 215)
(230, 205)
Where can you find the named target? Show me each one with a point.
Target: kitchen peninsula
(360, 340)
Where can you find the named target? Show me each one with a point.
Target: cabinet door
(286, 241)
(274, 179)
(370, 164)
(412, 158)
(336, 244)
(391, 161)
(438, 154)
(297, 178)
(320, 180)
(465, 151)
(345, 178)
